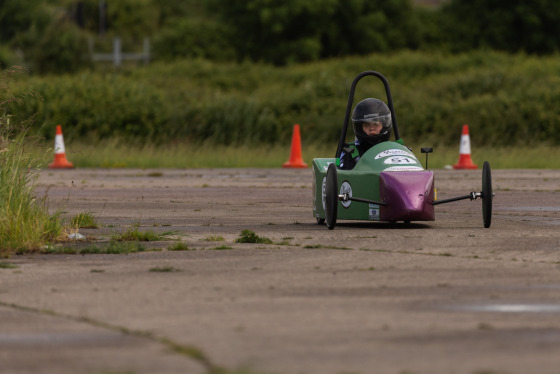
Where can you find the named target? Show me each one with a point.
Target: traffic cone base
(60, 160)
(465, 161)
(295, 161)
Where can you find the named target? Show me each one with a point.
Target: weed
(25, 223)
(84, 220)
(215, 238)
(179, 246)
(222, 247)
(113, 247)
(325, 246)
(7, 265)
(163, 269)
(147, 236)
(248, 236)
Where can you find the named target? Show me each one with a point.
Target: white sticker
(324, 193)
(345, 188)
(393, 152)
(374, 212)
(404, 168)
(399, 160)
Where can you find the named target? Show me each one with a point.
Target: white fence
(118, 56)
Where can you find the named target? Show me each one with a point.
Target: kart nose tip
(408, 194)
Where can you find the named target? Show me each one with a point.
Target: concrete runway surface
(447, 296)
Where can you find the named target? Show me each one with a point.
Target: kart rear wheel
(331, 196)
(487, 194)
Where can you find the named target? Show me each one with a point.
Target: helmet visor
(383, 120)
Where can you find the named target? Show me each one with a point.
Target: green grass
(7, 265)
(25, 222)
(163, 269)
(222, 247)
(84, 220)
(113, 247)
(146, 236)
(248, 236)
(192, 101)
(111, 155)
(179, 246)
(215, 238)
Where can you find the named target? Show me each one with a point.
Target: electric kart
(388, 183)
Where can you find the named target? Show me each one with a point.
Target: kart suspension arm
(346, 197)
(472, 196)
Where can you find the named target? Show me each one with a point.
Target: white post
(117, 55)
(146, 51)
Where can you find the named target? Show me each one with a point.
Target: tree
(508, 25)
(18, 17)
(283, 31)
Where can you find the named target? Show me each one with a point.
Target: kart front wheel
(331, 196)
(487, 194)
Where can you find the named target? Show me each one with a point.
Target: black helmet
(371, 111)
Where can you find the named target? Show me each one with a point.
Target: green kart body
(364, 181)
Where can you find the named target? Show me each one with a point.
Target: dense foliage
(506, 99)
(507, 25)
(52, 35)
(245, 71)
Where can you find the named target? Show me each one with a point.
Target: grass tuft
(248, 236)
(25, 223)
(222, 247)
(215, 238)
(179, 246)
(84, 220)
(163, 269)
(136, 235)
(114, 247)
(7, 265)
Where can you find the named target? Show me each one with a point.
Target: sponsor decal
(404, 168)
(394, 152)
(399, 160)
(373, 212)
(345, 188)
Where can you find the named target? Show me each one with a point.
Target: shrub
(25, 223)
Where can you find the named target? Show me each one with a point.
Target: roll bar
(351, 100)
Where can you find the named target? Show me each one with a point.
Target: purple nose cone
(408, 194)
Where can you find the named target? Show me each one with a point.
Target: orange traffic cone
(295, 160)
(60, 161)
(465, 161)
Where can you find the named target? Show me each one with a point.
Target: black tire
(320, 221)
(331, 197)
(487, 194)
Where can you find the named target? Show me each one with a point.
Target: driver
(372, 124)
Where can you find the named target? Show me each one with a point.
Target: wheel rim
(331, 198)
(487, 194)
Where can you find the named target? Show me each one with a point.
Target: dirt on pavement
(447, 296)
